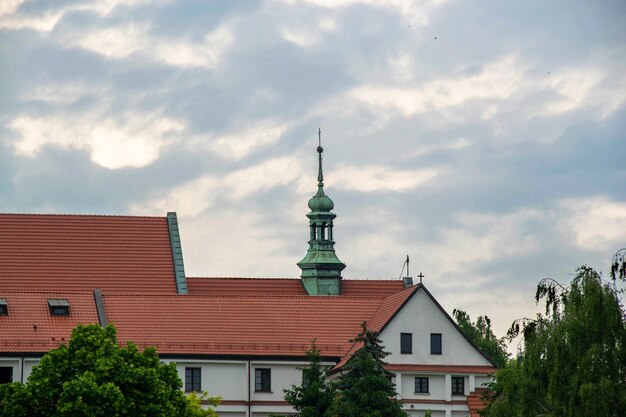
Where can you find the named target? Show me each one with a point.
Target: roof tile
(29, 327)
(83, 252)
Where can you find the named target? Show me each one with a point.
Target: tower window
(59, 307)
(263, 379)
(4, 307)
(193, 379)
(435, 344)
(406, 342)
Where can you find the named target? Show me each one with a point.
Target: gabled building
(243, 339)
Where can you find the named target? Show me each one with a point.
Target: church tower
(321, 269)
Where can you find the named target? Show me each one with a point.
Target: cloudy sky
(486, 139)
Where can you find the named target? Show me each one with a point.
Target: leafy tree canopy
(93, 377)
(481, 334)
(365, 387)
(573, 362)
(314, 397)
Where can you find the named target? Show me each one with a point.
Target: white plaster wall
(481, 381)
(29, 364)
(460, 414)
(413, 412)
(283, 376)
(226, 379)
(421, 317)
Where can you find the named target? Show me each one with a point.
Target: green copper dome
(321, 269)
(321, 202)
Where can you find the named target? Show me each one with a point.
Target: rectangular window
(435, 343)
(458, 385)
(4, 307)
(406, 343)
(6, 374)
(421, 385)
(193, 379)
(263, 379)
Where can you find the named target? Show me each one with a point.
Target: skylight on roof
(59, 307)
(4, 307)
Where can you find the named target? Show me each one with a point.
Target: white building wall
(421, 317)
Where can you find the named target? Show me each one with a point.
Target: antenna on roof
(407, 280)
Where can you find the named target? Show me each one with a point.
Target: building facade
(243, 339)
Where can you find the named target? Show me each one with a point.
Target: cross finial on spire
(320, 176)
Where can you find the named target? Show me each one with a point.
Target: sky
(485, 139)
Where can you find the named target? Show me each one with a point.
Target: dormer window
(59, 307)
(4, 307)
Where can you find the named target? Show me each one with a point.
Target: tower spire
(321, 269)
(320, 174)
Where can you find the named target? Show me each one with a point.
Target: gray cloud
(492, 154)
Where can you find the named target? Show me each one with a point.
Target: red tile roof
(240, 325)
(29, 327)
(475, 403)
(79, 253)
(287, 286)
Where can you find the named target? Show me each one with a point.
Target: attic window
(59, 307)
(4, 307)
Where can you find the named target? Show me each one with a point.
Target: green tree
(314, 397)
(365, 387)
(573, 362)
(92, 377)
(481, 334)
(194, 405)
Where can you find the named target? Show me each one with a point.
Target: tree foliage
(93, 377)
(314, 397)
(573, 362)
(365, 387)
(481, 334)
(194, 406)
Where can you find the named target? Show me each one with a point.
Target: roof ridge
(294, 279)
(303, 296)
(244, 278)
(82, 215)
(2, 292)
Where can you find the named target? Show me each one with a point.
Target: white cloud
(478, 238)
(499, 80)
(11, 18)
(264, 176)
(417, 11)
(300, 37)
(200, 194)
(10, 6)
(374, 178)
(240, 144)
(597, 224)
(125, 40)
(128, 140)
(63, 93)
(189, 199)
